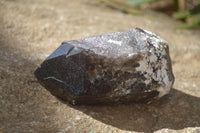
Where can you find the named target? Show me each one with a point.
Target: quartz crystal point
(120, 67)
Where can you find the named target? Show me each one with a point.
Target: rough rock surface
(128, 66)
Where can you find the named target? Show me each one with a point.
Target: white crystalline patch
(122, 91)
(149, 32)
(150, 63)
(162, 74)
(165, 77)
(131, 54)
(115, 42)
(143, 37)
(153, 58)
(156, 43)
(156, 37)
(54, 79)
(156, 40)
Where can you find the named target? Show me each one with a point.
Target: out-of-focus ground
(31, 29)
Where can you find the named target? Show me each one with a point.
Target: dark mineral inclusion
(120, 67)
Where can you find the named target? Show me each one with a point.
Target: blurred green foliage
(92, 131)
(191, 17)
(122, 6)
(139, 2)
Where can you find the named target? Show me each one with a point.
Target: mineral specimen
(120, 67)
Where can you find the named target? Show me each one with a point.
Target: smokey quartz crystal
(120, 67)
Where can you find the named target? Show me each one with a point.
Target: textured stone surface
(129, 66)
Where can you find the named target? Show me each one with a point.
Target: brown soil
(31, 29)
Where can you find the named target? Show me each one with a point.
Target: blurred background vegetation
(184, 10)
